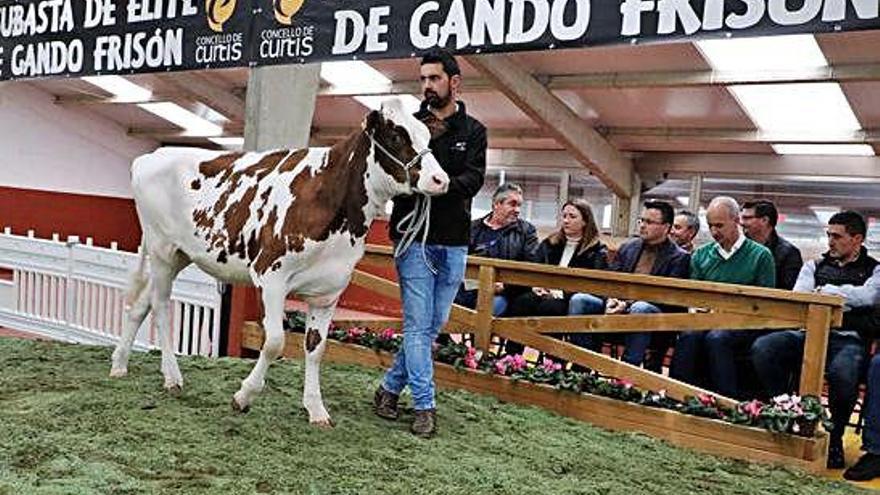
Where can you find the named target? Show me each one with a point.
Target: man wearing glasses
(651, 253)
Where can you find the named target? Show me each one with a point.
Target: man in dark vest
(759, 219)
(845, 270)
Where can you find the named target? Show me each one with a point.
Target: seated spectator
(502, 235)
(576, 244)
(868, 466)
(651, 253)
(732, 259)
(845, 270)
(685, 228)
(759, 220)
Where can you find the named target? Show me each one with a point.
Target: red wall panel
(102, 218)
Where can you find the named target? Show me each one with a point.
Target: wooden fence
(723, 307)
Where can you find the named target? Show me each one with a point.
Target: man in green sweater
(731, 259)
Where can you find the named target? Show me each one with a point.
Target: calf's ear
(372, 121)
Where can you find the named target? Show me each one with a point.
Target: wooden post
(815, 348)
(485, 299)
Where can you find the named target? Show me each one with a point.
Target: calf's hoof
(118, 372)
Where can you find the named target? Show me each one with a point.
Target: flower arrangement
(783, 414)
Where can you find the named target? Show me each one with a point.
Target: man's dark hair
(665, 209)
(852, 221)
(763, 208)
(693, 221)
(443, 57)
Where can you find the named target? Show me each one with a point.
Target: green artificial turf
(66, 428)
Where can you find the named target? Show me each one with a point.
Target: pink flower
(550, 367)
(470, 362)
(355, 333)
(626, 384)
(518, 362)
(387, 334)
(501, 366)
(753, 408)
(707, 400)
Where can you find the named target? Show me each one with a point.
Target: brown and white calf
(285, 221)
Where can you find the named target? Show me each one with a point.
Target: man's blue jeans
(636, 344)
(427, 299)
(871, 433)
(777, 359)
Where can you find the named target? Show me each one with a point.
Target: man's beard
(435, 101)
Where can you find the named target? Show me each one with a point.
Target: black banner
(73, 38)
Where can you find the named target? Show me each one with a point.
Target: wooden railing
(723, 307)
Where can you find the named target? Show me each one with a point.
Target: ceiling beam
(200, 88)
(680, 165)
(614, 134)
(90, 100)
(645, 79)
(558, 121)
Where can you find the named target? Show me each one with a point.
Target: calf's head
(402, 150)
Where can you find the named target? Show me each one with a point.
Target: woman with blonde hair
(575, 245)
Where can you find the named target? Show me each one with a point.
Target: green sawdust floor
(67, 428)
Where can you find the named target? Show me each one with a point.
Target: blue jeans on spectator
(777, 358)
(468, 298)
(718, 350)
(427, 299)
(636, 344)
(871, 432)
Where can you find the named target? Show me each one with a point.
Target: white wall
(52, 148)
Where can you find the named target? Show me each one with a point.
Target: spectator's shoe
(425, 423)
(835, 454)
(866, 468)
(385, 404)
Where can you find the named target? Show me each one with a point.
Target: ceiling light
(356, 76)
(824, 149)
(773, 53)
(229, 142)
(120, 87)
(814, 107)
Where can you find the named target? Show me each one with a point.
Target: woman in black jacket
(575, 245)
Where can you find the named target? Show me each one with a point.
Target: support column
(280, 105)
(625, 211)
(564, 186)
(696, 194)
(278, 114)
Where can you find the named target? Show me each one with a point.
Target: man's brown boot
(385, 404)
(425, 423)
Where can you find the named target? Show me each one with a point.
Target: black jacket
(788, 261)
(595, 257)
(461, 152)
(516, 242)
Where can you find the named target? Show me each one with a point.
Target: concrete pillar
(280, 106)
(279, 109)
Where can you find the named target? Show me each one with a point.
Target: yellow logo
(218, 12)
(286, 9)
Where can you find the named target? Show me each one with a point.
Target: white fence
(75, 292)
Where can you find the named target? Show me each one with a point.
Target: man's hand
(541, 292)
(615, 306)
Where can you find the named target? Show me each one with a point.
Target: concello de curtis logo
(286, 9)
(218, 12)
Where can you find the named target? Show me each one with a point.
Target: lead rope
(409, 227)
